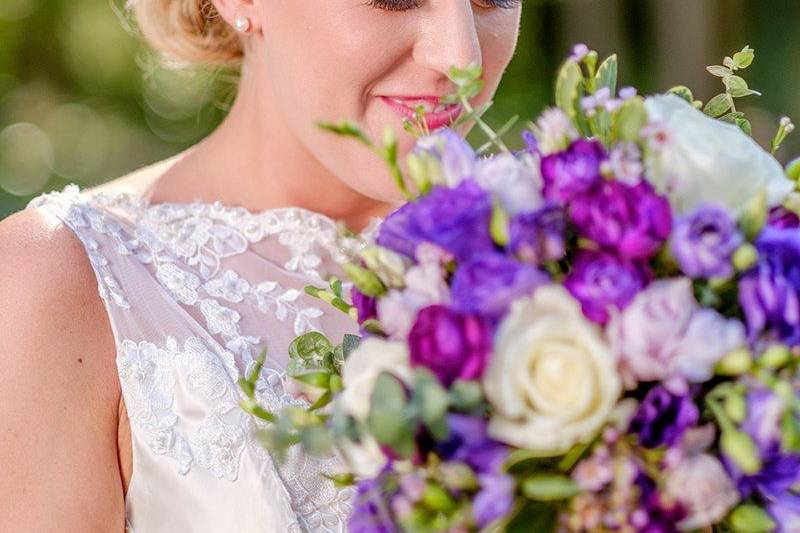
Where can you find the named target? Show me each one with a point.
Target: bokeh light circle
(26, 159)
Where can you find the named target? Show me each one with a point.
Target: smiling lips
(437, 115)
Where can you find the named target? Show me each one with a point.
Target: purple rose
(452, 345)
(457, 220)
(539, 236)
(371, 513)
(469, 443)
(495, 500)
(488, 284)
(769, 293)
(601, 281)
(662, 418)
(572, 172)
(704, 242)
(780, 217)
(366, 306)
(633, 221)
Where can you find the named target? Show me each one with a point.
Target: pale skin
(64, 434)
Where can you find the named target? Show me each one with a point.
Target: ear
(229, 10)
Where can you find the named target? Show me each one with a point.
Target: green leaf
(720, 71)
(744, 58)
(252, 407)
(607, 74)
(533, 516)
(342, 480)
(499, 226)
(744, 125)
(630, 120)
(737, 87)
(349, 344)
(432, 402)
(568, 89)
(750, 518)
(322, 401)
(319, 380)
(719, 105)
(316, 440)
(466, 396)
(336, 287)
(387, 420)
(740, 448)
(310, 348)
(549, 487)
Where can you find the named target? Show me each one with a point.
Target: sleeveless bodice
(194, 292)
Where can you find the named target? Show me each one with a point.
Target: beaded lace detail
(194, 256)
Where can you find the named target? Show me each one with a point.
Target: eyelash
(406, 5)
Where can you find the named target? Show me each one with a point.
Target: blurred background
(82, 101)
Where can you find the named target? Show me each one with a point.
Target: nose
(447, 36)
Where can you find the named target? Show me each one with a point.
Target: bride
(128, 311)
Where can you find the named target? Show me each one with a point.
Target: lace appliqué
(150, 374)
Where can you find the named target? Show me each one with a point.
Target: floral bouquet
(600, 332)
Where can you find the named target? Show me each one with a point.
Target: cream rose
(552, 380)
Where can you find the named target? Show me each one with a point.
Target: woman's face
(371, 62)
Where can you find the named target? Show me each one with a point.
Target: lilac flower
(665, 336)
(370, 509)
(452, 345)
(662, 418)
(704, 242)
(769, 293)
(457, 220)
(626, 93)
(495, 499)
(456, 155)
(366, 306)
(633, 221)
(579, 52)
(572, 172)
(786, 514)
(601, 281)
(513, 181)
(539, 236)
(487, 284)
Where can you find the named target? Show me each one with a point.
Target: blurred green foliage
(82, 101)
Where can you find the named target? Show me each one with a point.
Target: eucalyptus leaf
(568, 88)
(737, 86)
(316, 440)
(719, 70)
(310, 349)
(349, 344)
(684, 92)
(719, 105)
(387, 420)
(744, 58)
(319, 380)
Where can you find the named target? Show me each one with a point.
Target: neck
(253, 160)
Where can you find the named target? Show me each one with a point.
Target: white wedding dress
(193, 292)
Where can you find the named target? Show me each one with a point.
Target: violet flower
(457, 220)
(371, 512)
(366, 306)
(663, 417)
(489, 283)
(704, 242)
(601, 281)
(539, 236)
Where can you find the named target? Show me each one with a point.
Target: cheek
(498, 30)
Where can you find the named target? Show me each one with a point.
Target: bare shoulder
(59, 393)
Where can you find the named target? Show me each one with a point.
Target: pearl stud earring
(241, 23)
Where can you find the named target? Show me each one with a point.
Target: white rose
(552, 380)
(705, 160)
(361, 370)
(701, 484)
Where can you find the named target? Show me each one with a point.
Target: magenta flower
(633, 221)
(451, 345)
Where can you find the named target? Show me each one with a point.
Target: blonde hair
(187, 31)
